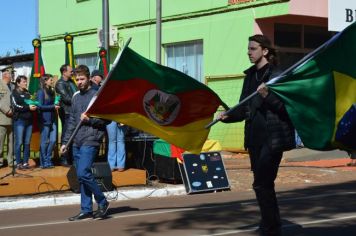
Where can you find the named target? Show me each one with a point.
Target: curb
(11, 203)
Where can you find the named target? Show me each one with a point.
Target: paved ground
(300, 168)
(327, 210)
(315, 191)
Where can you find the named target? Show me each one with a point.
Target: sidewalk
(298, 167)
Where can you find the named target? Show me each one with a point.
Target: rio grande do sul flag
(319, 92)
(37, 68)
(37, 71)
(158, 100)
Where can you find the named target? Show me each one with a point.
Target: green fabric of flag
(319, 92)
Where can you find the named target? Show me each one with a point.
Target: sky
(18, 26)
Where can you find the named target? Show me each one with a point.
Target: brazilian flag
(319, 92)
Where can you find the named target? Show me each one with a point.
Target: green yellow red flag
(37, 68)
(37, 71)
(156, 99)
(321, 91)
(69, 51)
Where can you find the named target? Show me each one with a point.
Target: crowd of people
(17, 114)
(68, 100)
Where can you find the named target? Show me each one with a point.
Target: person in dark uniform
(6, 113)
(268, 130)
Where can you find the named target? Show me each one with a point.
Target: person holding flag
(86, 143)
(268, 130)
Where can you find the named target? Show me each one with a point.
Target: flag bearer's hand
(63, 149)
(263, 90)
(222, 116)
(84, 117)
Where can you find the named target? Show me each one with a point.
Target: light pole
(106, 28)
(158, 30)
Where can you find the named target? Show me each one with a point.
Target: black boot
(270, 218)
(81, 216)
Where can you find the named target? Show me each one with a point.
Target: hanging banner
(103, 62)
(37, 68)
(69, 51)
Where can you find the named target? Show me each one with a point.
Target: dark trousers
(67, 157)
(264, 164)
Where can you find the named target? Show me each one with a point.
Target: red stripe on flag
(119, 97)
(36, 61)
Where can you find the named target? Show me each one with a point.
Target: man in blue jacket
(86, 144)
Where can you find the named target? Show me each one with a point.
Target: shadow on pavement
(308, 211)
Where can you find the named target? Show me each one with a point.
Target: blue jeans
(48, 140)
(83, 159)
(116, 152)
(23, 133)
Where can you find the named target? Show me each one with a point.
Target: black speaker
(102, 175)
(139, 155)
(167, 169)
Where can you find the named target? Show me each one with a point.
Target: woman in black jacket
(268, 130)
(22, 121)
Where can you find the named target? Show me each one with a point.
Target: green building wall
(223, 29)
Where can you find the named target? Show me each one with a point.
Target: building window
(90, 60)
(186, 57)
(294, 41)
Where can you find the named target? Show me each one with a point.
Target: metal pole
(158, 30)
(106, 27)
(37, 19)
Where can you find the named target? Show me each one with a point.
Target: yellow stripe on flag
(70, 55)
(345, 96)
(178, 135)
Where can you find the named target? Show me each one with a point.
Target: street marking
(285, 226)
(250, 202)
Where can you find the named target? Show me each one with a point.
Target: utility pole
(106, 28)
(158, 30)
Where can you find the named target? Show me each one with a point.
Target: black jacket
(90, 133)
(266, 119)
(20, 107)
(65, 89)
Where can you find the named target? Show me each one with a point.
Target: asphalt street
(315, 210)
(315, 199)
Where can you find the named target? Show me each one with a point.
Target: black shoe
(81, 216)
(102, 210)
